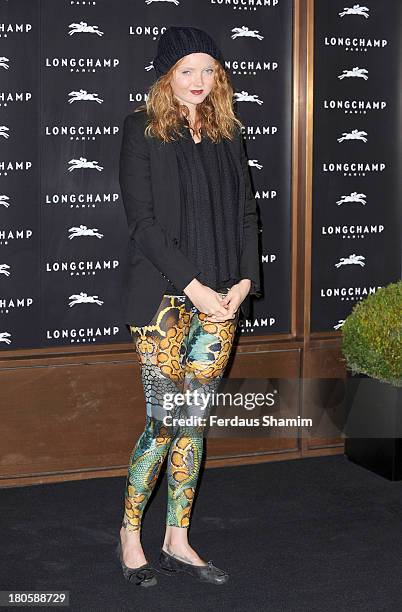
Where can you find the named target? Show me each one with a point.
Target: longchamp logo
(252, 131)
(83, 335)
(356, 9)
(175, 2)
(272, 258)
(83, 230)
(82, 132)
(81, 200)
(140, 30)
(82, 64)
(5, 337)
(353, 135)
(348, 294)
(84, 298)
(14, 234)
(16, 96)
(4, 131)
(14, 28)
(83, 28)
(265, 194)
(254, 164)
(249, 66)
(4, 62)
(355, 107)
(88, 267)
(360, 198)
(339, 324)
(353, 259)
(354, 168)
(352, 231)
(83, 162)
(355, 43)
(245, 32)
(5, 269)
(258, 323)
(7, 305)
(10, 166)
(245, 5)
(354, 73)
(82, 95)
(137, 97)
(244, 96)
(4, 200)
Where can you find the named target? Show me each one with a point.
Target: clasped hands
(210, 302)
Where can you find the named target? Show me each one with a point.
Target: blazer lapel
(166, 169)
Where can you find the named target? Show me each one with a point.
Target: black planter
(374, 425)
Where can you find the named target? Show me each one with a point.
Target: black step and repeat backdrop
(357, 155)
(69, 73)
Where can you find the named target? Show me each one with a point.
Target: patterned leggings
(178, 352)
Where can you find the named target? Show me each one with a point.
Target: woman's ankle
(130, 535)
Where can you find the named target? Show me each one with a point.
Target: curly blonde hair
(215, 114)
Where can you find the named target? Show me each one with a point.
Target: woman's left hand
(234, 297)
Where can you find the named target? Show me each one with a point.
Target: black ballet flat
(143, 576)
(204, 573)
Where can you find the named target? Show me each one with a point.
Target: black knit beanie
(178, 41)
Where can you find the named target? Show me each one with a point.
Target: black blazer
(150, 188)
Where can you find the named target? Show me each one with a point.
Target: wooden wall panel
(78, 415)
(323, 396)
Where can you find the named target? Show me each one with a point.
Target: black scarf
(210, 194)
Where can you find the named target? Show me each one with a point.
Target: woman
(193, 262)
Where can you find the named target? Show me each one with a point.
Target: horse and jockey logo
(243, 31)
(353, 135)
(4, 131)
(175, 2)
(356, 72)
(83, 230)
(82, 26)
(356, 9)
(5, 269)
(254, 164)
(244, 96)
(5, 337)
(351, 260)
(82, 162)
(82, 94)
(84, 298)
(360, 198)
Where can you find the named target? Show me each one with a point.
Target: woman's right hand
(205, 299)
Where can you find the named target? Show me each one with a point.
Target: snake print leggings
(178, 352)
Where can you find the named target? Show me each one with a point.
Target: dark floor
(307, 535)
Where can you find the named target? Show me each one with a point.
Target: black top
(209, 204)
(153, 255)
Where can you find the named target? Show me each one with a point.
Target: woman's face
(193, 79)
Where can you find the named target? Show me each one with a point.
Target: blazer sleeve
(249, 259)
(136, 189)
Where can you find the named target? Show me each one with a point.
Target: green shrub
(372, 335)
